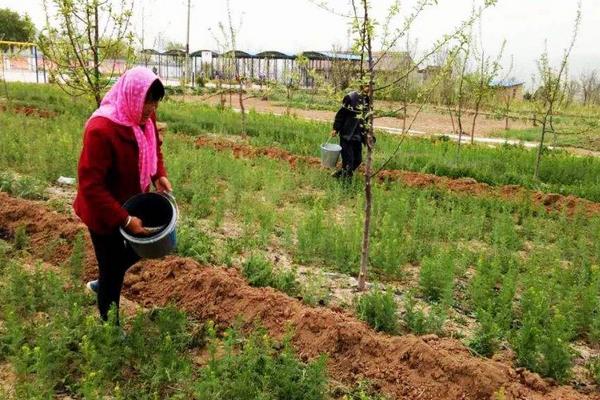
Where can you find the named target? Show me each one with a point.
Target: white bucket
(330, 153)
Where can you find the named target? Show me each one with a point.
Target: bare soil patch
(402, 366)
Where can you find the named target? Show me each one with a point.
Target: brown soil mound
(550, 201)
(403, 366)
(29, 111)
(243, 150)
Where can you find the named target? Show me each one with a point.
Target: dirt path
(428, 121)
(550, 201)
(402, 366)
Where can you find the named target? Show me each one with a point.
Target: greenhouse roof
(275, 55)
(238, 54)
(174, 52)
(271, 54)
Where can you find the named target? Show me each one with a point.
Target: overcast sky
(296, 25)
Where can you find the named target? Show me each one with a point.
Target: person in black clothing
(351, 130)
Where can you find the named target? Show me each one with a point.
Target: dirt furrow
(550, 201)
(405, 367)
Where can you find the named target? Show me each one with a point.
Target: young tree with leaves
(229, 34)
(481, 81)
(363, 25)
(551, 90)
(364, 30)
(79, 37)
(461, 88)
(507, 97)
(292, 80)
(590, 87)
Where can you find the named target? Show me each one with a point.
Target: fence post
(37, 78)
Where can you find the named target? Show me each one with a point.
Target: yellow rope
(16, 43)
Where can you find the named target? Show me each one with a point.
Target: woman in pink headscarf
(121, 157)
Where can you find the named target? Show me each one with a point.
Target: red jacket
(108, 174)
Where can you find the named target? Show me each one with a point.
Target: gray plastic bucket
(155, 210)
(330, 153)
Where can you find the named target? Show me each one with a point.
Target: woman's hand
(135, 227)
(333, 133)
(162, 184)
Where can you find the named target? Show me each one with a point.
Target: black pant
(114, 257)
(351, 156)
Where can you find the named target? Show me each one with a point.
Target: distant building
(429, 72)
(393, 61)
(509, 88)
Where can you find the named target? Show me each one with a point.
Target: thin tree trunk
(242, 108)
(460, 127)
(404, 116)
(536, 173)
(474, 122)
(223, 100)
(554, 133)
(451, 119)
(364, 259)
(460, 104)
(97, 95)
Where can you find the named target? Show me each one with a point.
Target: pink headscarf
(123, 105)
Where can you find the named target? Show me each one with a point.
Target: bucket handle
(329, 137)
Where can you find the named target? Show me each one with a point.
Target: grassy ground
(529, 278)
(560, 172)
(53, 346)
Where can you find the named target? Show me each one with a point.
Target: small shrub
(378, 308)
(201, 204)
(364, 390)
(219, 213)
(77, 258)
(258, 271)
(22, 186)
(504, 234)
(315, 291)
(4, 249)
(192, 242)
(594, 368)
(542, 341)
(250, 368)
(437, 277)
(21, 238)
(487, 336)
(286, 282)
(420, 323)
